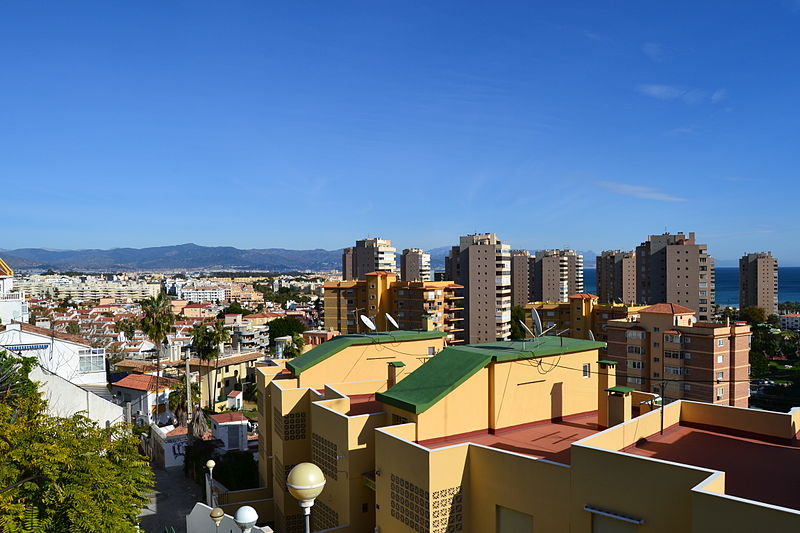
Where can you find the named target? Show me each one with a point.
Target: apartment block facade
(665, 350)
(415, 265)
(675, 268)
(368, 255)
(616, 277)
(556, 275)
(521, 277)
(481, 264)
(758, 282)
(423, 305)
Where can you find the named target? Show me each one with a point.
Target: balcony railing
(12, 296)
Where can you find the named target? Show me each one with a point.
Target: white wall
(172, 448)
(64, 399)
(220, 431)
(59, 357)
(13, 310)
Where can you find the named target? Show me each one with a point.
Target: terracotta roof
(138, 366)
(196, 306)
(264, 315)
(672, 332)
(144, 382)
(230, 360)
(180, 430)
(583, 296)
(224, 418)
(667, 309)
(234, 393)
(53, 333)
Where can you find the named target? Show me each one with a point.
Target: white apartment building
(13, 306)
(203, 294)
(791, 321)
(86, 288)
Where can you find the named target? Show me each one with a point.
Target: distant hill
(180, 257)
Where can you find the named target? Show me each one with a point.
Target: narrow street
(173, 498)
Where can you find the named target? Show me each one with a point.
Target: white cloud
(718, 96)
(639, 191)
(688, 95)
(654, 51)
(662, 92)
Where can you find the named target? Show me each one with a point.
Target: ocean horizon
(727, 284)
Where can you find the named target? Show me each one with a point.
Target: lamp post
(216, 515)
(305, 483)
(245, 517)
(210, 464)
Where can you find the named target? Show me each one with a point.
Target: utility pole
(663, 402)
(188, 388)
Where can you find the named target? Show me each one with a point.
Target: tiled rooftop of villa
(546, 440)
(755, 468)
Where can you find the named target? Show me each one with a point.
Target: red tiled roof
(53, 333)
(180, 430)
(667, 309)
(583, 296)
(144, 382)
(234, 393)
(224, 418)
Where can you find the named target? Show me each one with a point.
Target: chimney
(606, 378)
(391, 379)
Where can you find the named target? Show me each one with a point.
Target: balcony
(12, 296)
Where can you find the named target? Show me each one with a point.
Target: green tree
(206, 340)
(178, 400)
(774, 321)
(759, 366)
(753, 315)
(127, 327)
(157, 322)
(296, 347)
(517, 315)
(61, 475)
(73, 328)
(284, 326)
(235, 308)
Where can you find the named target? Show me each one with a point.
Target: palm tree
(218, 335)
(156, 323)
(178, 400)
(206, 340)
(198, 426)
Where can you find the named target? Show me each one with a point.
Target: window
(720, 393)
(586, 370)
(720, 359)
(672, 338)
(676, 370)
(720, 376)
(372, 307)
(687, 387)
(635, 364)
(633, 380)
(91, 363)
(634, 334)
(656, 344)
(720, 342)
(656, 329)
(636, 349)
(431, 350)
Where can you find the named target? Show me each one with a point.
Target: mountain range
(195, 257)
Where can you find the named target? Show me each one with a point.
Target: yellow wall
(463, 410)
(369, 362)
(762, 422)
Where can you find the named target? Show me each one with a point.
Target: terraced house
(535, 435)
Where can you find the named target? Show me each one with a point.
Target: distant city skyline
(252, 125)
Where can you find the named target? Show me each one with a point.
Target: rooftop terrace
(755, 468)
(545, 440)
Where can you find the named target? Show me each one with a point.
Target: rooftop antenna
(537, 323)
(527, 330)
(545, 332)
(591, 335)
(367, 322)
(392, 321)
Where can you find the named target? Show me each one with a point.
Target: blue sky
(310, 124)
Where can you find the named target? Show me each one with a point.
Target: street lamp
(210, 464)
(305, 483)
(245, 517)
(216, 515)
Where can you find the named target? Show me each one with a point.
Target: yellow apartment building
(223, 375)
(413, 304)
(524, 436)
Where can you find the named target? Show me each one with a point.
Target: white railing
(12, 296)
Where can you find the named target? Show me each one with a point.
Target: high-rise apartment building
(616, 277)
(415, 265)
(481, 263)
(675, 269)
(556, 275)
(664, 350)
(419, 305)
(368, 255)
(521, 277)
(758, 282)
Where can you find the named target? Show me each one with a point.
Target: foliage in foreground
(65, 474)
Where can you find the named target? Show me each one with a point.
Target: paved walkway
(173, 498)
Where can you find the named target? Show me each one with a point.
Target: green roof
(451, 367)
(396, 363)
(335, 345)
(620, 389)
(606, 362)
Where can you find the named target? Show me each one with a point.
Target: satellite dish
(537, 323)
(526, 328)
(392, 321)
(367, 322)
(591, 335)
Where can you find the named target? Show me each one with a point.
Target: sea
(728, 284)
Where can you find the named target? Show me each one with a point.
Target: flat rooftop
(544, 440)
(754, 467)
(363, 404)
